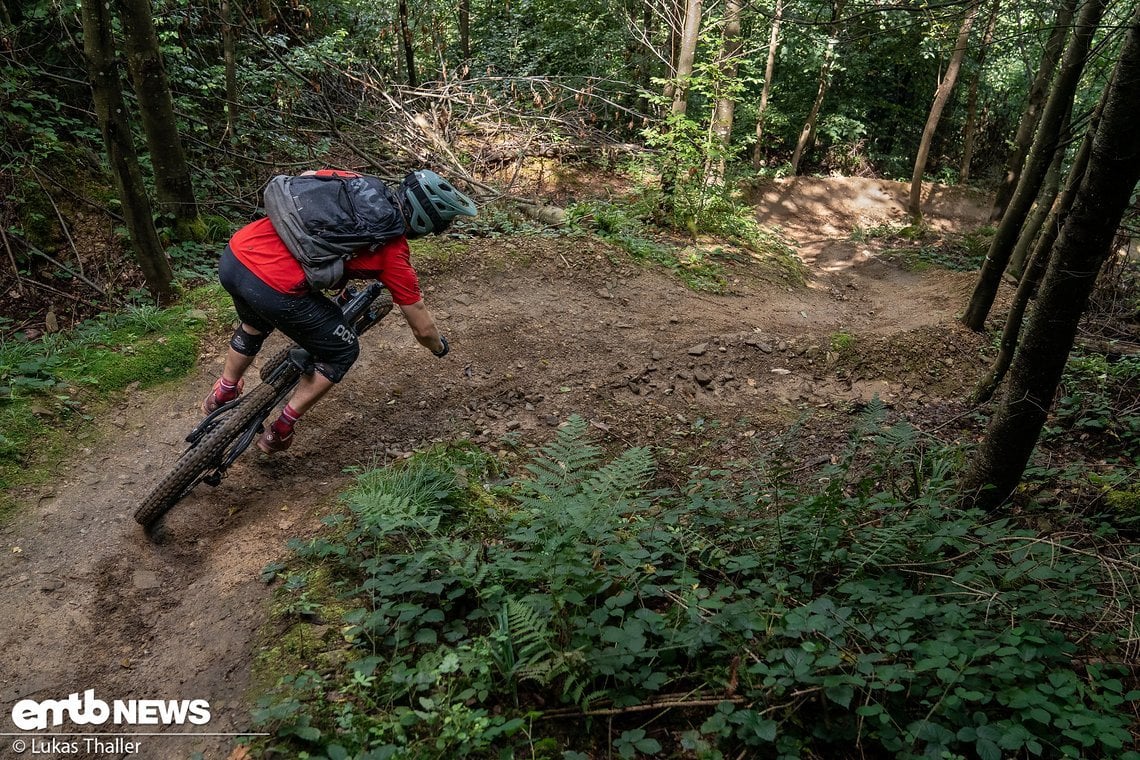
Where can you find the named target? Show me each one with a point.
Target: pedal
(213, 479)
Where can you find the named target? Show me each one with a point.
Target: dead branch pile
(481, 132)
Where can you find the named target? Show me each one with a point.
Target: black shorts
(312, 320)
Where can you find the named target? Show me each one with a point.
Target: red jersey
(261, 249)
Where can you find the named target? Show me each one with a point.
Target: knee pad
(246, 344)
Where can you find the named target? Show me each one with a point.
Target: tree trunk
(1040, 156)
(1042, 249)
(1081, 249)
(687, 55)
(99, 50)
(172, 182)
(1036, 221)
(229, 62)
(672, 45)
(769, 68)
(465, 29)
(972, 99)
(807, 134)
(726, 103)
(406, 39)
(1038, 91)
(914, 206)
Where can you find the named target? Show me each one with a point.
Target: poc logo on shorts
(344, 334)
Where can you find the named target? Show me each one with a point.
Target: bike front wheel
(205, 456)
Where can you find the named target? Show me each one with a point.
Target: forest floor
(541, 328)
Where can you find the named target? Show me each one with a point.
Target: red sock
(284, 424)
(225, 390)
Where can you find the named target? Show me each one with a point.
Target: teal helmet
(430, 203)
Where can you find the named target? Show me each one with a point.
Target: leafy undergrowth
(51, 387)
(917, 247)
(580, 611)
(737, 236)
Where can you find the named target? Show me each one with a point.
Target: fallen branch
(665, 704)
(77, 275)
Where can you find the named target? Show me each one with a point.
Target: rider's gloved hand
(443, 351)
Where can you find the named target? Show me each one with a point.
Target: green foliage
(917, 247)
(1098, 397)
(51, 385)
(628, 226)
(795, 621)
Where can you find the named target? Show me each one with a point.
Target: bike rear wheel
(197, 462)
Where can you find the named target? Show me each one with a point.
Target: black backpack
(324, 220)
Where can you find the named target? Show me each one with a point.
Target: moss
(1126, 502)
(73, 377)
(148, 361)
(841, 342)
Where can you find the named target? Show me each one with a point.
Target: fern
(563, 466)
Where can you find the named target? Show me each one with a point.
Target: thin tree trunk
(1038, 92)
(1081, 250)
(914, 206)
(687, 55)
(672, 45)
(1036, 221)
(807, 134)
(172, 182)
(972, 99)
(769, 69)
(1040, 156)
(726, 103)
(465, 29)
(229, 62)
(99, 50)
(645, 57)
(1041, 249)
(406, 39)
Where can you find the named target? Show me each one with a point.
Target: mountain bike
(220, 438)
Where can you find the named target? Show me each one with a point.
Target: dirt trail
(550, 330)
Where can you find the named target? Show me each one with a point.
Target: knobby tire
(200, 459)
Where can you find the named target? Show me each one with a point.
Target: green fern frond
(564, 462)
(625, 475)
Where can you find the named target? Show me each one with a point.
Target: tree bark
(1078, 255)
(1038, 91)
(726, 102)
(807, 134)
(465, 29)
(1038, 258)
(172, 182)
(1037, 164)
(972, 98)
(229, 63)
(914, 206)
(406, 39)
(769, 69)
(686, 55)
(99, 50)
(672, 13)
(1036, 221)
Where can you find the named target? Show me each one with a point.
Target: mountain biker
(269, 291)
